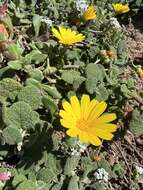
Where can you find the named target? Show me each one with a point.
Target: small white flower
(114, 22)
(139, 170)
(48, 21)
(81, 5)
(101, 174)
(74, 152)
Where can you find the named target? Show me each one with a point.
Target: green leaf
(45, 175)
(126, 92)
(50, 173)
(71, 76)
(105, 164)
(12, 135)
(71, 164)
(37, 24)
(95, 74)
(8, 85)
(95, 71)
(73, 183)
(31, 95)
(52, 91)
(41, 185)
(21, 115)
(50, 104)
(8, 22)
(119, 169)
(2, 36)
(88, 166)
(18, 179)
(35, 57)
(26, 185)
(36, 74)
(136, 123)
(16, 65)
(14, 51)
(101, 93)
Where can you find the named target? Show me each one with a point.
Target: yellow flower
(140, 71)
(90, 13)
(120, 8)
(67, 36)
(83, 119)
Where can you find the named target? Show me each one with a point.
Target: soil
(129, 150)
(135, 39)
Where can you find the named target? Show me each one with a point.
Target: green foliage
(119, 169)
(35, 57)
(16, 65)
(12, 135)
(136, 123)
(49, 103)
(27, 184)
(18, 179)
(36, 24)
(31, 95)
(73, 184)
(20, 115)
(71, 76)
(71, 164)
(36, 74)
(95, 74)
(14, 51)
(9, 86)
(50, 173)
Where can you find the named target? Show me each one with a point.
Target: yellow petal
(85, 100)
(83, 137)
(75, 106)
(67, 123)
(107, 118)
(98, 110)
(104, 134)
(72, 132)
(67, 107)
(95, 140)
(108, 127)
(56, 33)
(67, 115)
(91, 107)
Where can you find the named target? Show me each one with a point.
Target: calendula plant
(65, 82)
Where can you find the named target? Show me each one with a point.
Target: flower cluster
(69, 37)
(101, 174)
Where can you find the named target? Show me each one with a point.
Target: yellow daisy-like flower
(67, 36)
(140, 72)
(90, 13)
(83, 119)
(120, 8)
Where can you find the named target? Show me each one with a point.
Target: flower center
(82, 124)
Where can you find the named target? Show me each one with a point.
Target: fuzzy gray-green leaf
(12, 135)
(31, 95)
(9, 85)
(21, 115)
(71, 164)
(136, 123)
